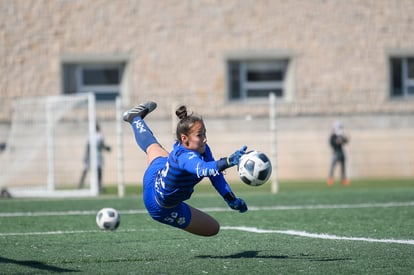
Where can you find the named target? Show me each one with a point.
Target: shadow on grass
(244, 254)
(36, 265)
(255, 254)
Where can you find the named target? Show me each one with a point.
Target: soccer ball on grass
(254, 168)
(108, 219)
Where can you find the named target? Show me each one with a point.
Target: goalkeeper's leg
(143, 134)
(202, 224)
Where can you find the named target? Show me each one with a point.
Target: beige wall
(380, 146)
(177, 48)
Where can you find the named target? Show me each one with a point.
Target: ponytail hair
(181, 112)
(186, 121)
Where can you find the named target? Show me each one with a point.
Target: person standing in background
(337, 140)
(100, 147)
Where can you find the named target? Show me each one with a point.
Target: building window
(256, 79)
(103, 79)
(402, 76)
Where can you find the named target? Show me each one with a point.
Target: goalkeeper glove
(235, 203)
(231, 160)
(234, 158)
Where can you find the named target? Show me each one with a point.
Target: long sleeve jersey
(183, 170)
(337, 142)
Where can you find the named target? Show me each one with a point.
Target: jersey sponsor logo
(206, 171)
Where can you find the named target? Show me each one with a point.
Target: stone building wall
(177, 49)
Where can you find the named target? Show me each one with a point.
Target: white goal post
(273, 139)
(46, 145)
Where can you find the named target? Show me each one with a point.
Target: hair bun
(181, 112)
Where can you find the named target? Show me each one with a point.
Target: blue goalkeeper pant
(178, 215)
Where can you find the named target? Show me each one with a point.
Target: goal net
(46, 145)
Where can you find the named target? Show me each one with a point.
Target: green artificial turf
(307, 228)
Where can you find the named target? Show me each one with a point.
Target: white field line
(217, 209)
(239, 228)
(60, 232)
(320, 206)
(315, 235)
(66, 213)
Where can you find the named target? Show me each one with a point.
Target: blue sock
(143, 135)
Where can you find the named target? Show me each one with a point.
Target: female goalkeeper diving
(170, 177)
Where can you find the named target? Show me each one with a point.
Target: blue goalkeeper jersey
(183, 170)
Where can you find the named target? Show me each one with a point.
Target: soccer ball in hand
(108, 219)
(254, 168)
